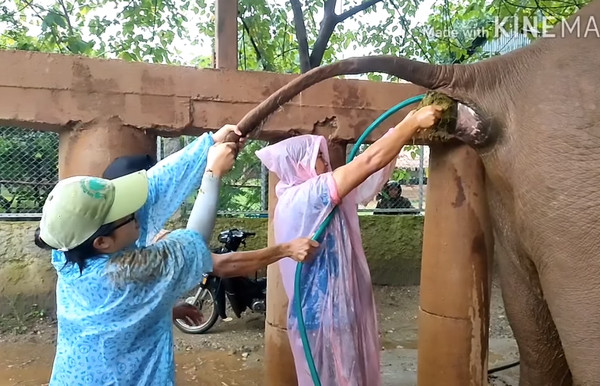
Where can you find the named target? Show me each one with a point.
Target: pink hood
(294, 159)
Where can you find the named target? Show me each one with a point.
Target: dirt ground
(232, 352)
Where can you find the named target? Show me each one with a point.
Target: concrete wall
(26, 275)
(392, 245)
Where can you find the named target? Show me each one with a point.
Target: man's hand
(221, 134)
(221, 158)
(302, 249)
(188, 313)
(423, 118)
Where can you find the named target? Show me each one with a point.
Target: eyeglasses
(129, 219)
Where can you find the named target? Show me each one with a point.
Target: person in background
(335, 289)
(391, 198)
(115, 293)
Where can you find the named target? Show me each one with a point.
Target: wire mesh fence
(28, 170)
(245, 189)
(405, 192)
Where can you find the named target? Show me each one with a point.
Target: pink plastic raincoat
(337, 296)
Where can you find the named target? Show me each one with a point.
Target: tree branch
(266, 65)
(56, 38)
(316, 56)
(64, 8)
(405, 25)
(473, 46)
(154, 24)
(353, 11)
(284, 36)
(330, 20)
(301, 36)
(329, 8)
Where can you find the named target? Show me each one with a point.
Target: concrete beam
(57, 92)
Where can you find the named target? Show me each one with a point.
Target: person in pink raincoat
(336, 293)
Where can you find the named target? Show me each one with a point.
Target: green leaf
(127, 56)
(51, 20)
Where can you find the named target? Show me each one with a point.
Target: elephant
(533, 116)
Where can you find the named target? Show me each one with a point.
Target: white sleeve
(204, 212)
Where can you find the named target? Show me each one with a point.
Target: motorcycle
(242, 292)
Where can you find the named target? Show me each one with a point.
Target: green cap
(78, 206)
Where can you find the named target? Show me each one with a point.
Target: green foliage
(242, 186)
(138, 30)
(451, 32)
(146, 30)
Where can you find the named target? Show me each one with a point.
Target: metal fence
(28, 170)
(244, 192)
(405, 193)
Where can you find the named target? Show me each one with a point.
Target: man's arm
(173, 179)
(381, 153)
(170, 182)
(220, 161)
(203, 215)
(245, 263)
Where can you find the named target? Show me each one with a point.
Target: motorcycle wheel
(206, 297)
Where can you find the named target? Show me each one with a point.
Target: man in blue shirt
(115, 291)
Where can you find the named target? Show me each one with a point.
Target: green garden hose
(321, 230)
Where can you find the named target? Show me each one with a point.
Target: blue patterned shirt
(114, 319)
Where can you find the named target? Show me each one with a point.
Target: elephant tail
(420, 73)
(482, 85)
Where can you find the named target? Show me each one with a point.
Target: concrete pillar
(455, 280)
(90, 149)
(279, 361)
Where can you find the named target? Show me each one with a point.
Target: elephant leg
(572, 288)
(541, 355)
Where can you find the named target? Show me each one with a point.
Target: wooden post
(226, 34)
(279, 361)
(455, 280)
